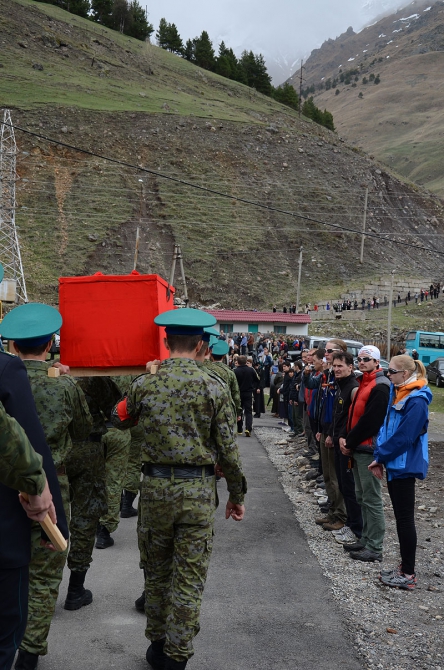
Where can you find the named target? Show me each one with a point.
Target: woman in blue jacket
(402, 448)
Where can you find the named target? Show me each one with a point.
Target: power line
(219, 193)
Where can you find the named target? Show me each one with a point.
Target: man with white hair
(366, 416)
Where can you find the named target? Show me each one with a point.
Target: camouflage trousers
(132, 476)
(45, 575)
(85, 467)
(117, 446)
(176, 539)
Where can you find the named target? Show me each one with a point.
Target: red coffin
(108, 320)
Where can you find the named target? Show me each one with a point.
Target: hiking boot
(77, 595)
(26, 660)
(247, 433)
(366, 555)
(333, 525)
(127, 510)
(103, 538)
(399, 581)
(155, 656)
(356, 546)
(140, 603)
(393, 571)
(323, 519)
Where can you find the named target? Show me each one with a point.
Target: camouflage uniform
(229, 378)
(64, 415)
(117, 446)
(187, 420)
(131, 481)
(85, 467)
(20, 466)
(86, 472)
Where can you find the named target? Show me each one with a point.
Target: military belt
(178, 472)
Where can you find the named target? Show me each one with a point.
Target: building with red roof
(243, 321)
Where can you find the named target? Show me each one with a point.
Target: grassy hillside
(401, 120)
(158, 117)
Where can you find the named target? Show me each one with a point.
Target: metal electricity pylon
(10, 255)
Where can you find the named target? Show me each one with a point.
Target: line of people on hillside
(354, 425)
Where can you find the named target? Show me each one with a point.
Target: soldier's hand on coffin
(64, 369)
(150, 363)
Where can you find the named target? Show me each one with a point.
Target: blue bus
(428, 345)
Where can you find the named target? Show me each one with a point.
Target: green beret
(209, 334)
(32, 324)
(185, 321)
(220, 348)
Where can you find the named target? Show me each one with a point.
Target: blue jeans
(290, 416)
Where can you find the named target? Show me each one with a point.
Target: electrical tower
(10, 256)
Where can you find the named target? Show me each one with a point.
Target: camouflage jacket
(20, 466)
(187, 420)
(229, 378)
(62, 409)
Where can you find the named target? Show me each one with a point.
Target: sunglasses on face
(330, 351)
(391, 371)
(364, 359)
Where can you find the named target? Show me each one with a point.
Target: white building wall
(292, 328)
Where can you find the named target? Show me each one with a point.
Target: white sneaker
(345, 536)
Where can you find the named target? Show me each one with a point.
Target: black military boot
(155, 656)
(127, 509)
(103, 538)
(174, 665)
(140, 603)
(77, 595)
(26, 660)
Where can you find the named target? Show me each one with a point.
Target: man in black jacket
(346, 385)
(248, 381)
(15, 527)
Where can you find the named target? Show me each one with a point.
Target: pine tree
(162, 34)
(138, 27)
(175, 44)
(189, 51)
(287, 95)
(203, 51)
(102, 11)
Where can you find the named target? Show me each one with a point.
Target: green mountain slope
(164, 122)
(401, 120)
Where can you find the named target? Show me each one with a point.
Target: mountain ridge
(158, 117)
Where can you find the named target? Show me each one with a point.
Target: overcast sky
(284, 30)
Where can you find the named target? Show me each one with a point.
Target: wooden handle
(51, 530)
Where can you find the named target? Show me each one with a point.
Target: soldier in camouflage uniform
(64, 415)
(188, 424)
(131, 481)
(88, 476)
(20, 466)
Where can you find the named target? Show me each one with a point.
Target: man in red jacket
(365, 418)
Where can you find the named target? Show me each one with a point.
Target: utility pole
(136, 250)
(389, 318)
(177, 256)
(361, 260)
(298, 292)
(10, 255)
(300, 88)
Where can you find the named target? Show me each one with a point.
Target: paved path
(266, 604)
